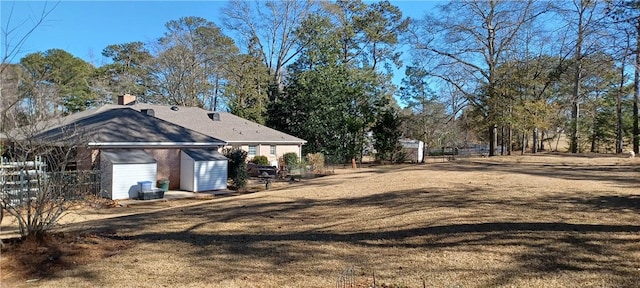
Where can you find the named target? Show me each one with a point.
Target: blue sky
(84, 28)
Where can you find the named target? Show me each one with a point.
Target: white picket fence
(19, 180)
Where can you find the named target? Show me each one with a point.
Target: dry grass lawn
(520, 221)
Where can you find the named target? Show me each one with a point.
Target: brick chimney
(126, 99)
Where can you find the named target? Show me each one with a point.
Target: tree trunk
(524, 143)
(575, 101)
(493, 139)
(215, 95)
(510, 142)
(619, 141)
(502, 140)
(636, 79)
(575, 112)
(534, 148)
(594, 143)
(595, 129)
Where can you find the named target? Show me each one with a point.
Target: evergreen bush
(237, 170)
(260, 160)
(291, 160)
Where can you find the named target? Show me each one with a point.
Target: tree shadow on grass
(621, 174)
(626, 202)
(550, 248)
(541, 248)
(578, 155)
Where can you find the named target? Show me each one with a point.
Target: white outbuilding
(414, 150)
(202, 170)
(122, 169)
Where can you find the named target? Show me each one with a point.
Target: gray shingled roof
(128, 156)
(204, 155)
(230, 128)
(119, 124)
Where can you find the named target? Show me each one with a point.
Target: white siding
(210, 175)
(420, 151)
(196, 176)
(125, 178)
(414, 150)
(187, 181)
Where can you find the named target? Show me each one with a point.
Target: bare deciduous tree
(14, 40)
(35, 196)
(189, 65)
(269, 27)
(474, 37)
(36, 187)
(583, 20)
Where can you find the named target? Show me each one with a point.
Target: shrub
(290, 160)
(37, 191)
(237, 167)
(400, 157)
(260, 160)
(316, 161)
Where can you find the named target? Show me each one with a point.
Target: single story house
(162, 141)
(130, 146)
(237, 132)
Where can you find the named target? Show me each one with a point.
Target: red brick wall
(168, 165)
(86, 158)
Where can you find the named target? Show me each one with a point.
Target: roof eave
(265, 142)
(156, 145)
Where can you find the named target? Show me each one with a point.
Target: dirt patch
(31, 259)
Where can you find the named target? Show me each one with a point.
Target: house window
(272, 150)
(252, 150)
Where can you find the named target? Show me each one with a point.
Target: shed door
(126, 178)
(210, 175)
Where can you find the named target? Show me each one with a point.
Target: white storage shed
(122, 169)
(414, 150)
(202, 170)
